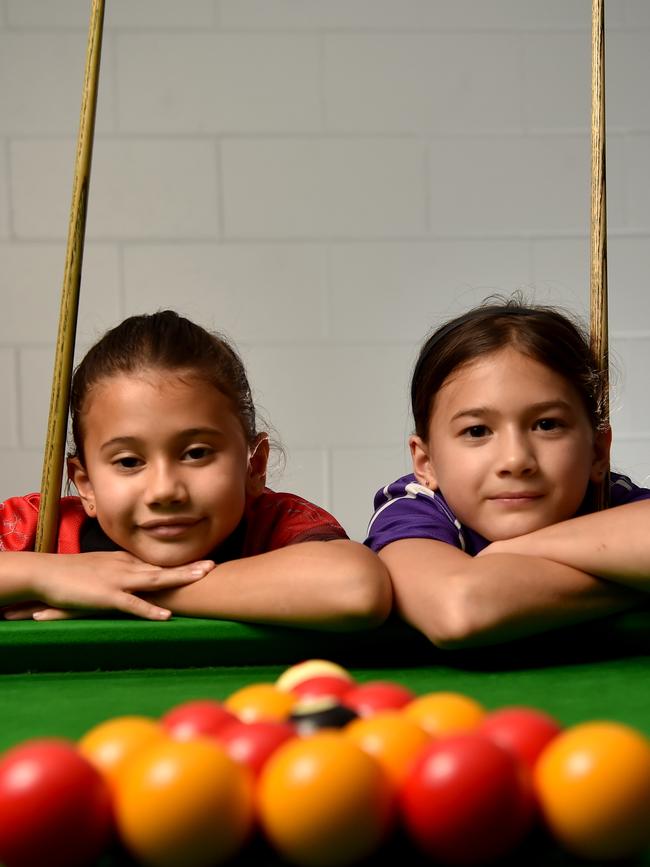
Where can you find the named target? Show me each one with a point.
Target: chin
(169, 559)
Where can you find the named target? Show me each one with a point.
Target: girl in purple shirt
(494, 534)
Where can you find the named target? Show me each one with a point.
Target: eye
(549, 424)
(128, 462)
(476, 431)
(197, 453)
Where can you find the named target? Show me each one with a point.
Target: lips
(169, 528)
(515, 497)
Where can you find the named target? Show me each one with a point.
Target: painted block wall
(323, 181)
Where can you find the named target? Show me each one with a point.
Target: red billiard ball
(370, 698)
(55, 807)
(309, 669)
(466, 800)
(194, 718)
(252, 744)
(324, 686)
(523, 730)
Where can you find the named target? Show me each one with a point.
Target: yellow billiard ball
(184, 804)
(260, 701)
(593, 785)
(445, 713)
(111, 745)
(323, 801)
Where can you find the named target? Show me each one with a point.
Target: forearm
(487, 600)
(613, 544)
(19, 572)
(337, 585)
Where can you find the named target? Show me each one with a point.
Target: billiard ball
(323, 686)
(392, 739)
(294, 675)
(327, 713)
(322, 801)
(445, 713)
(55, 807)
(466, 800)
(111, 744)
(184, 804)
(523, 730)
(593, 784)
(377, 695)
(260, 701)
(252, 744)
(198, 717)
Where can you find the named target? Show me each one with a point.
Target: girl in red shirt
(173, 513)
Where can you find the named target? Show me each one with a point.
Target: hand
(69, 584)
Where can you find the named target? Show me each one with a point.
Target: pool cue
(55, 443)
(598, 266)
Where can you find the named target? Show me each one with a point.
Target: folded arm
(329, 585)
(612, 544)
(462, 601)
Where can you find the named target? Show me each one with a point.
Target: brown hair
(543, 333)
(162, 341)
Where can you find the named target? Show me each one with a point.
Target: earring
(91, 508)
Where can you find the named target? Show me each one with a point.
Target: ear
(600, 463)
(258, 458)
(79, 478)
(422, 464)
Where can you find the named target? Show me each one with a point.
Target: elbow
(367, 595)
(459, 623)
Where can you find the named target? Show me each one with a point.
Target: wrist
(19, 576)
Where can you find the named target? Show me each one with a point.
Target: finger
(57, 614)
(173, 577)
(141, 608)
(21, 612)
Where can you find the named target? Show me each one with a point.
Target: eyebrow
(543, 406)
(190, 433)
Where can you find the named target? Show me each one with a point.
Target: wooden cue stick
(55, 444)
(598, 266)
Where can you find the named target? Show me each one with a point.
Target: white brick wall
(323, 181)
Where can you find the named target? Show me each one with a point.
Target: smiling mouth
(169, 529)
(515, 499)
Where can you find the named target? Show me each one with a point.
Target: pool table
(62, 678)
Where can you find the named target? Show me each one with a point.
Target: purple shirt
(406, 509)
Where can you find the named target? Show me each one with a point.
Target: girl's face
(167, 465)
(510, 446)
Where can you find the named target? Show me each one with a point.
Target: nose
(516, 455)
(165, 485)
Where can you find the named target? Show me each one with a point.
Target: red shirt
(272, 520)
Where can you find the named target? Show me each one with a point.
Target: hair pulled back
(543, 333)
(168, 342)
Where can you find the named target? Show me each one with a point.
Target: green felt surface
(62, 678)
(111, 644)
(44, 704)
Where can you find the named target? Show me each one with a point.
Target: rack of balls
(326, 771)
